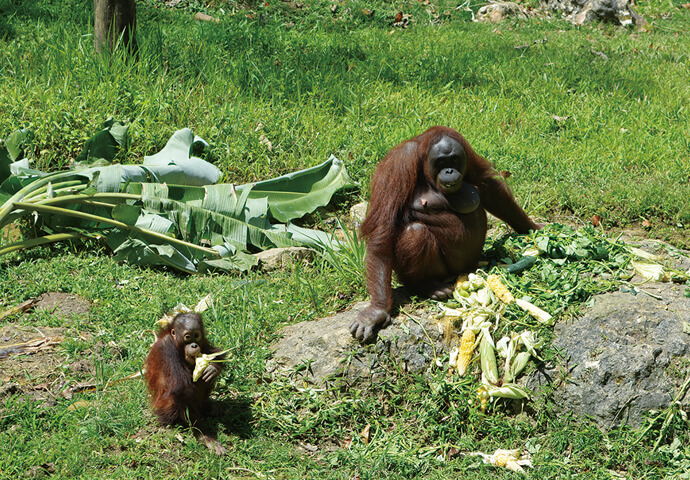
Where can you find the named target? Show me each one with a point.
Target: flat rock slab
(623, 356)
(626, 355)
(322, 350)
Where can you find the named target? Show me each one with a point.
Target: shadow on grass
(46, 11)
(235, 416)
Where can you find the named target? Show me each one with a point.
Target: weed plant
(589, 121)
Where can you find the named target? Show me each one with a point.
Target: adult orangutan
(427, 220)
(175, 396)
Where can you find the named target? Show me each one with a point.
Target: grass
(317, 83)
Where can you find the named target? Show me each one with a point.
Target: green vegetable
(523, 264)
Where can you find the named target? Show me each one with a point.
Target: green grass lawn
(582, 133)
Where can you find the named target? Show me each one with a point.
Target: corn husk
(511, 459)
(483, 296)
(531, 342)
(168, 316)
(487, 358)
(204, 304)
(643, 254)
(203, 361)
(517, 365)
(650, 271)
(450, 313)
(476, 281)
(508, 390)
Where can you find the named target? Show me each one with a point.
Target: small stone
(277, 258)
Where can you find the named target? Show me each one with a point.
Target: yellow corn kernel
(484, 397)
(495, 284)
(509, 459)
(465, 353)
(502, 458)
(462, 283)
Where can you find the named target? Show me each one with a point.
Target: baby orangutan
(175, 397)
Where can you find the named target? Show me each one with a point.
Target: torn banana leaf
(167, 211)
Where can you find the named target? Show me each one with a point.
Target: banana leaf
(166, 211)
(104, 145)
(12, 154)
(296, 194)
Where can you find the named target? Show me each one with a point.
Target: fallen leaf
(21, 308)
(365, 434)
(263, 139)
(560, 119)
(596, 220)
(646, 223)
(78, 404)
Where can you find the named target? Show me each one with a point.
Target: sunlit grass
(590, 120)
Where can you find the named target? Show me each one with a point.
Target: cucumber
(523, 264)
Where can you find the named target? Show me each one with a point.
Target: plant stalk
(35, 242)
(8, 206)
(70, 184)
(110, 221)
(82, 198)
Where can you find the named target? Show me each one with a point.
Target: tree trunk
(115, 24)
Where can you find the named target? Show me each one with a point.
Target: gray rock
(619, 356)
(358, 213)
(277, 258)
(619, 12)
(327, 350)
(499, 11)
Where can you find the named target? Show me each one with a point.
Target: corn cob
(495, 284)
(535, 311)
(508, 459)
(484, 397)
(465, 353)
(501, 458)
(511, 459)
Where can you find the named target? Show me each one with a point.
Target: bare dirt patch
(34, 361)
(63, 304)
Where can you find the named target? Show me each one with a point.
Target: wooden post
(115, 21)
